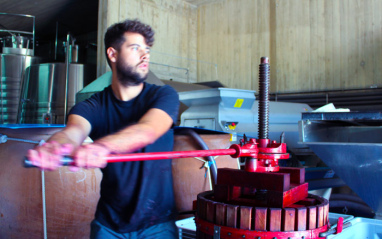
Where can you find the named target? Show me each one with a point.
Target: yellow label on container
(238, 103)
(232, 127)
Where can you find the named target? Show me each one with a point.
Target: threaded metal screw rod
(264, 72)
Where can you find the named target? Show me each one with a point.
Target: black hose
(203, 145)
(351, 208)
(346, 197)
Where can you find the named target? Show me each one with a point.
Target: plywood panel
(344, 52)
(332, 44)
(280, 37)
(377, 42)
(272, 37)
(210, 31)
(260, 42)
(230, 36)
(368, 54)
(292, 46)
(352, 18)
(314, 45)
(317, 46)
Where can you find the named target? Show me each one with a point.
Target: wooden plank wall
(312, 45)
(233, 34)
(175, 24)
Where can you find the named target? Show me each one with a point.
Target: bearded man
(130, 115)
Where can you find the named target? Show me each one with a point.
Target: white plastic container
(361, 228)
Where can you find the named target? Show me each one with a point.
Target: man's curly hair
(114, 36)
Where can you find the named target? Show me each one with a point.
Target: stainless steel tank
(12, 69)
(43, 95)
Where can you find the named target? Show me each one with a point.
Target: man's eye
(135, 48)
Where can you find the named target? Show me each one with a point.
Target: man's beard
(127, 76)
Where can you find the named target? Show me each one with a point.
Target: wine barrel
(70, 198)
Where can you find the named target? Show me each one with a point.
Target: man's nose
(145, 56)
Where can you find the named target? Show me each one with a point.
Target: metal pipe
(20, 32)
(50, 90)
(343, 94)
(6, 30)
(67, 62)
(56, 43)
(1, 95)
(43, 195)
(326, 91)
(175, 67)
(34, 34)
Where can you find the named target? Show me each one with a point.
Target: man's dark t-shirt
(134, 195)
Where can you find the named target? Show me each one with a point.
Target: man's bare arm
(49, 155)
(75, 132)
(150, 127)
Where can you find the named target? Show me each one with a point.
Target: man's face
(133, 60)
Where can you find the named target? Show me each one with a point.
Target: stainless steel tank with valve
(17, 54)
(47, 94)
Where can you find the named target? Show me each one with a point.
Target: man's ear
(112, 54)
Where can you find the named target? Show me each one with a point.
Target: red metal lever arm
(167, 155)
(235, 151)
